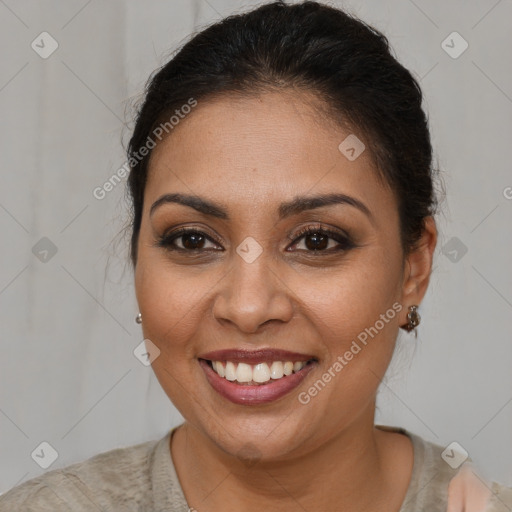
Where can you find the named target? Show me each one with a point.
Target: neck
(351, 470)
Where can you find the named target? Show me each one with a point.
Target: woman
(283, 231)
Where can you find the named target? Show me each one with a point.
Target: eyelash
(345, 243)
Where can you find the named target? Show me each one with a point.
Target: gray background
(68, 375)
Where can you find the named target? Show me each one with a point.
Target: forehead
(251, 151)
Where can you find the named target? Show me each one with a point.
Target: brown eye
(317, 239)
(191, 240)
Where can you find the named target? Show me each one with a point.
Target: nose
(253, 294)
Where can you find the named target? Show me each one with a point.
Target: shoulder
(433, 470)
(470, 492)
(106, 481)
(445, 479)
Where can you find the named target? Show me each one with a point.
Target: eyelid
(183, 230)
(319, 226)
(341, 237)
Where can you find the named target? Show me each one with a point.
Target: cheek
(170, 303)
(354, 317)
(344, 303)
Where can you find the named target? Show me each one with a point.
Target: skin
(249, 155)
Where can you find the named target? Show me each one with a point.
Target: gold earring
(413, 318)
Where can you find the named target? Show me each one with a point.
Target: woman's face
(247, 282)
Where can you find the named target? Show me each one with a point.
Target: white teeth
(276, 370)
(298, 366)
(259, 373)
(230, 371)
(220, 369)
(244, 372)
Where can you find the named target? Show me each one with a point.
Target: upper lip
(255, 356)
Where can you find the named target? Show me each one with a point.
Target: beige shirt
(143, 478)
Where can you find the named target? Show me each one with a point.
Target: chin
(259, 439)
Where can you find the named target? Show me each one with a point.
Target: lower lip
(257, 394)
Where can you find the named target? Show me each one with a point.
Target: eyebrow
(285, 210)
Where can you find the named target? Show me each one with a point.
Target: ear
(417, 268)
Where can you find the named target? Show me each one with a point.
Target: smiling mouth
(256, 377)
(257, 374)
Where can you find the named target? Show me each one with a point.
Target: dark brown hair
(309, 46)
